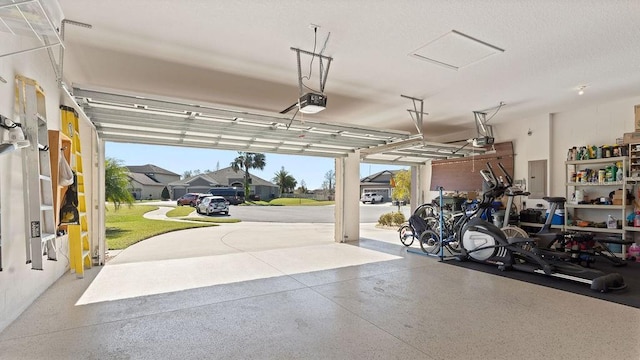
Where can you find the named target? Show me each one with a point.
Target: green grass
(258, 203)
(299, 202)
(127, 226)
(180, 211)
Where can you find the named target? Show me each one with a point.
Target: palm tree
(246, 161)
(116, 184)
(284, 180)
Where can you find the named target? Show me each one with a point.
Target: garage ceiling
(238, 55)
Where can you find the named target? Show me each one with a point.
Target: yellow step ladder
(79, 241)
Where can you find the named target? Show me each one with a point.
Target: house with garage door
(380, 183)
(147, 181)
(201, 183)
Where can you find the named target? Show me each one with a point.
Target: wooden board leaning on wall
(463, 174)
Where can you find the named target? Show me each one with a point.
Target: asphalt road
(309, 214)
(369, 213)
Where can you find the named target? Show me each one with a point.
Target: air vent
(455, 50)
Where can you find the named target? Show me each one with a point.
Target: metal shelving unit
(601, 189)
(633, 180)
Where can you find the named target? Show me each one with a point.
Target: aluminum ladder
(40, 227)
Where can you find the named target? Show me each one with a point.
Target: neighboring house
(380, 183)
(147, 181)
(224, 177)
(195, 184)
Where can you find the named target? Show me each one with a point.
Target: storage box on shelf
(585, 179)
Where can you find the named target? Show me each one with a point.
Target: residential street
(302, 214)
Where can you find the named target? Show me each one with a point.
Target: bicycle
(408, 232)
(452, 225)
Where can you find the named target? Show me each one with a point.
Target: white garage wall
(526, 147)
(597, 124)
(553, 134)
(19, 285)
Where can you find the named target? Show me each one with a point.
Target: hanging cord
(324, 46)
(315, 41)
(494, 114)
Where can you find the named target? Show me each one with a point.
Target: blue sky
(311, 169)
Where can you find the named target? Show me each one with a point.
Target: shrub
(385, 219)
(398, 218)
(165, 194)
(390, 219)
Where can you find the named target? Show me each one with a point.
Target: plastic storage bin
(558, 217)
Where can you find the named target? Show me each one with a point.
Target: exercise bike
(482, 241)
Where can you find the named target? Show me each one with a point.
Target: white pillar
(420, 183)
(347, 209)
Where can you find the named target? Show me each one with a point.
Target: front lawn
(127, 226)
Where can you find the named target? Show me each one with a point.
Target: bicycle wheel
(430, 242)
(406, 235)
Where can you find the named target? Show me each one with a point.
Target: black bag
(418, 224)
(69, 210)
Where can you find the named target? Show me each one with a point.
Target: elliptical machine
(482, 241)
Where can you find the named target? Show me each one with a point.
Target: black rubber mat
(629, 296)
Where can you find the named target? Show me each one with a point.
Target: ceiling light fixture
(581, 89)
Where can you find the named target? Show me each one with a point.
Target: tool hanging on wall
(15, 139)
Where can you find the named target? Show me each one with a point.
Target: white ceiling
(238, 53)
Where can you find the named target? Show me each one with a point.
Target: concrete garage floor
(281, 291)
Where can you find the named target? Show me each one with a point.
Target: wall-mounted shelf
(600, 207)
(28, 18)
(610, 183)
(597, 161)
(61, 144)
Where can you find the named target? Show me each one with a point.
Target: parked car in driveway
(188, 199)
(371, 198)
(213, 205)
(200, 197)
